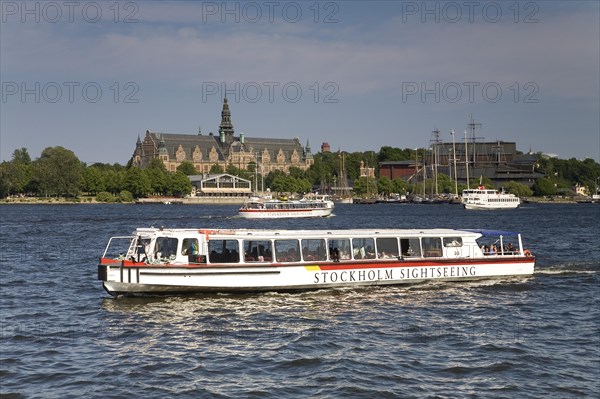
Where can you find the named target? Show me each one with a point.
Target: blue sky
(92, 76)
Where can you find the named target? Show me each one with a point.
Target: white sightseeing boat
(266, 208)
(156, 261)
(482, 198)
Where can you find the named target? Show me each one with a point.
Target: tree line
(59, 173)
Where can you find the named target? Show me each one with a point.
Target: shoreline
(204, 201)
(141, 201)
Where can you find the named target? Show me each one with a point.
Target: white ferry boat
(312, 206)
(158, 261)
(482, 198)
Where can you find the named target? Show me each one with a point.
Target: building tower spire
(226, 126)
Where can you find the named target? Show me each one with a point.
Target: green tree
(394, 154)
(518, 189)
(216, 169)
(15, 176)
(93, 180)
(544, 187)
(58, 172)
(187, 168)
(180, 184)
(296, 172)
(137, 182)
(445, 184)
(385, 185)
(4, 184)
(303, 185)
(365, 186)
(103, 196)
(272, 176)
(125, 196)
(324, 167)
(401, 186)
(158, 177)
(282, 184)
(114, 180)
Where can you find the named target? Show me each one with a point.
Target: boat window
(165, 248)
(453, 241)
(142, 249)
(287, 251)
(339, 249)
(190, 246)
(364, 248)
(432, 246)
(410, 247)
(314, 250)
(223, 251)
(387, 248)
(257, 251)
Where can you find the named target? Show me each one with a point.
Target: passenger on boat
(370, 253)
(335, 255)
(510, 248)
(292, 255)
(344, 254)
(485, 249)
(359, 253)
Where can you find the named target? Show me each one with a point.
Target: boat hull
(288, 213)
(162, 280)
(472, 206)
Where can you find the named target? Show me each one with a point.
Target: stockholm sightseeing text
(325, 277)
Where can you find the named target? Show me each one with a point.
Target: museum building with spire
(222, 149)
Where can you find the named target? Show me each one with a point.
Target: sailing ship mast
(471, 126)
(343, 190)
(467, 160)
(454, 158)
(435, 141)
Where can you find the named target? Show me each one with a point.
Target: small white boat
(265, 208)
(482, 198)
(347, 200)
(156, 261)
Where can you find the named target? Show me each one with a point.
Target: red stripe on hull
(330, 265)
(424, 263)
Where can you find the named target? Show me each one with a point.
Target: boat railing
(131, 247)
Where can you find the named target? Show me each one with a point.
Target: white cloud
(560, 53)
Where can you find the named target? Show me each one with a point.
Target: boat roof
(493, 233)
(244, 233)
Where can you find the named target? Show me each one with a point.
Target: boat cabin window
(190, 248)
(142, 249)
(339, 249)
(253, 205)
(453, 241)
(287, 251)
(314, 250)
(165, 248)
(223, 251)
(432, 246)
(258, 251)
(387, 248)
(410, 247)
(364, 248)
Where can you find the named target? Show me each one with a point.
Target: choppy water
(62, 336)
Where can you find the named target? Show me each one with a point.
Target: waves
(61, 336)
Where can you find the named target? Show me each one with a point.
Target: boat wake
(592, 267)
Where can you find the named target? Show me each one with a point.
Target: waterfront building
(220, 185)
(224, 149)
(497, 160)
